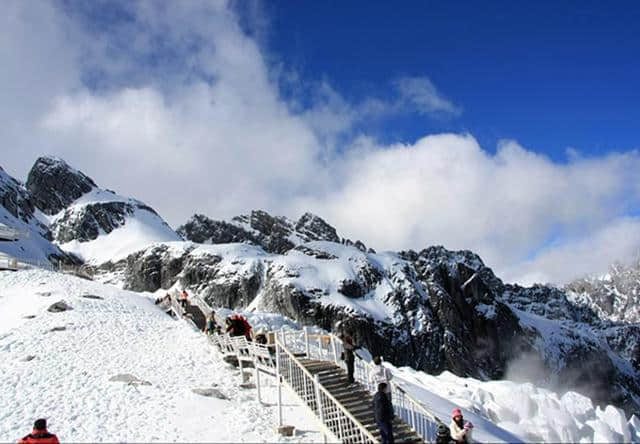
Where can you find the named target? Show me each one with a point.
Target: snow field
(68, 379)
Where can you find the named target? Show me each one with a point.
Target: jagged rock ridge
(274, 234)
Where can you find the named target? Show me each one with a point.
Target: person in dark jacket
(444, 435)
(383, 411)
(40, 435)
(349, 356)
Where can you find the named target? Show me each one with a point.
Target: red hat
(456, 412)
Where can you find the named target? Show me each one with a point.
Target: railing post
(307, 348)
(335, 349)
(318, 399)
(279, 378)
(257, 381)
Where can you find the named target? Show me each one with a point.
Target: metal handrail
(9, 233)
(415, 406)
(318, 387)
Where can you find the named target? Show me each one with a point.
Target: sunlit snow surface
(68, 379)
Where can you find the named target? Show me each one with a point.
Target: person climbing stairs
(356, 399)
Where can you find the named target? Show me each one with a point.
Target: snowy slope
(68, 379)
(137, 226)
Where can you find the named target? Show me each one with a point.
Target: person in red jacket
(40, 435)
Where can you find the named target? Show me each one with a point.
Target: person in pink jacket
(460, 429)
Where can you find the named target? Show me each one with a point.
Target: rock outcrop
(275, 234)
(54, 185)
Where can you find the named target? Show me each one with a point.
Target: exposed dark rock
(203, 230)
(88, 222)
(30, 316)
(318, 254)
(28, 358)
(18, 201)
(54, 184)
(92, 296)
(315, 228)
(57, 329)
(274, 234)
(210, 393)
(59, 306)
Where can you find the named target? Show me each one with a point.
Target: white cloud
(189, 118)
(422, 94)
(445, 189)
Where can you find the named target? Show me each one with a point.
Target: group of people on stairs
(459, 431)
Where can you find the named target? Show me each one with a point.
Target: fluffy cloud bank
(176, 104)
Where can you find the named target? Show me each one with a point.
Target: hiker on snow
(238, 326)
(40, 435)
(349, 356)
(380, 374)
(383, 411)
(460, 430)
(211, 327)
(183, 299)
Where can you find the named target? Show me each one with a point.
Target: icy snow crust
(67, 381)
(507, 411)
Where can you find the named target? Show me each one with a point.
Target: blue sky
(550, 74)
(404, 125)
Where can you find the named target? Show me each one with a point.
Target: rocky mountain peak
(315, 228)
(613, 297)
(275, 234)
(54, 185)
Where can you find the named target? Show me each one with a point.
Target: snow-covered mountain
(434, 310)
(93, 224)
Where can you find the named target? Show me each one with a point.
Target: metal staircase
(308, 365)
(356, 399)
